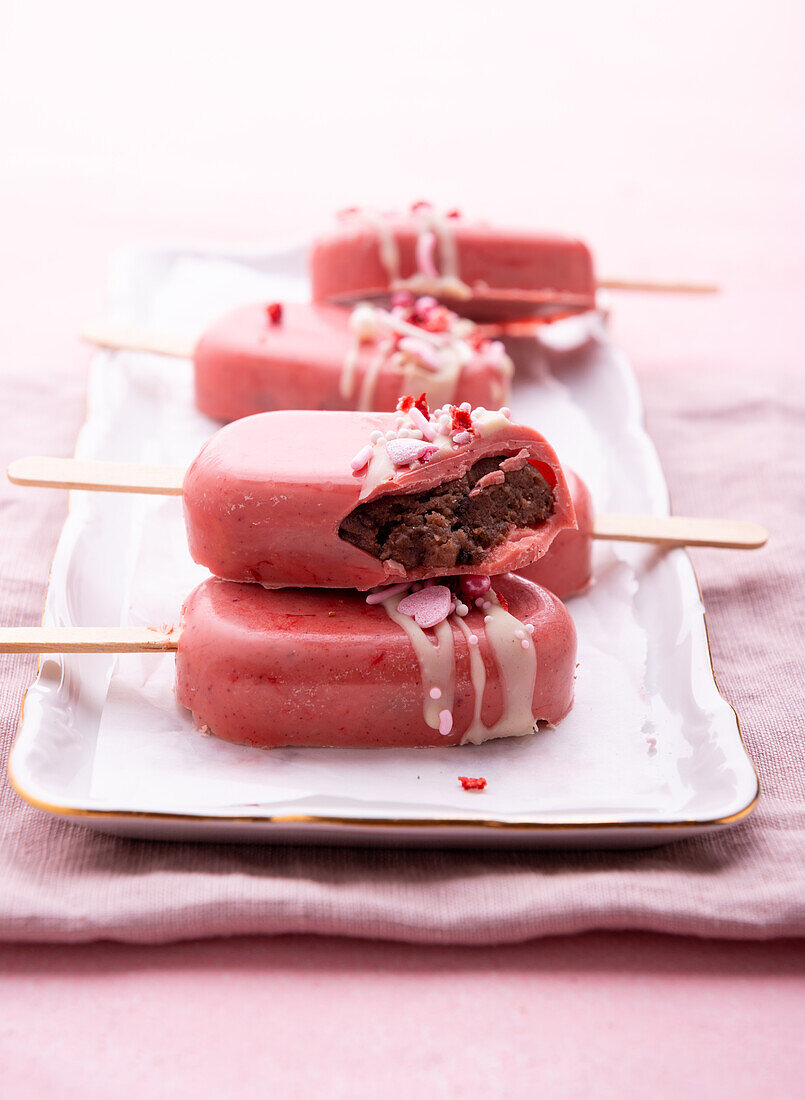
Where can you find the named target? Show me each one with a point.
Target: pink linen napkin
(731, 446)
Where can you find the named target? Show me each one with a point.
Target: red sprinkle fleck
(421, 204)
(453, 214)
(462, 421)
(438, 320)
(470, 784)
(504, 603)
(422, 404)
(274, 311)
(476, 340)
(405, 403)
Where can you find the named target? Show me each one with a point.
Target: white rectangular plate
(650, 752)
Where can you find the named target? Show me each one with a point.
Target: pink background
(670, 137)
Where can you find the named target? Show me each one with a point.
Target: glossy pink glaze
(286, 667)
(266, 495)
(567, 567)
(244, 364)
(512, 273)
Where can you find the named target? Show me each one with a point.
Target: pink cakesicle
(327, 668)
(259, 358)
(294, 499)
(567, 566)
(487, 273)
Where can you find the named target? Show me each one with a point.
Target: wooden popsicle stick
(658, 286)
(117, 337)
(729, 534)
(85, 639)
(112, 477)
(134, 477)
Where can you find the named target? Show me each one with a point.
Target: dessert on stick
(452, 663)
(225, 507)
(484, 272)
(353, 500)
(264, 357)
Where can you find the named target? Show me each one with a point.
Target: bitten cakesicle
(452, 663)
(564, 568)
(353, 500)
(481, 271)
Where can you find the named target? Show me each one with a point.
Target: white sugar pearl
(462, 610)
(375, 437)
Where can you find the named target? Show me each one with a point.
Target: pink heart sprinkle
(428, 607)
(403, 452)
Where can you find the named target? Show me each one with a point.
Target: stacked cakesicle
(364, 590)
(382, 608)
(377, 574)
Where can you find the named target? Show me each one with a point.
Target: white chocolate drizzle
(380, 469)
(513, 650)
(436, 661)
(447, 280)
(432, 362)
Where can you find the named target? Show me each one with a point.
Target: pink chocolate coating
(290, 667)
(567, 567)
(244, 364)
(511, 273)
(266, 495)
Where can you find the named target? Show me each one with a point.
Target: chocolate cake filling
(454, 523)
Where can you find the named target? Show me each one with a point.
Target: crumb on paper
(472, 784)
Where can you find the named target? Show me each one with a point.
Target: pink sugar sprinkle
(361, 459)
(445, 722)
(425, 304)
(427, 355)
(473, 639)
(460, 438)
(428, 607)
(403, 452)
(494, 477)
(474, 586)
(524, 643)
(403, 298)
(384, 593)
(515, 462)
(435, 693)
(425, 247)
(422, 422)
